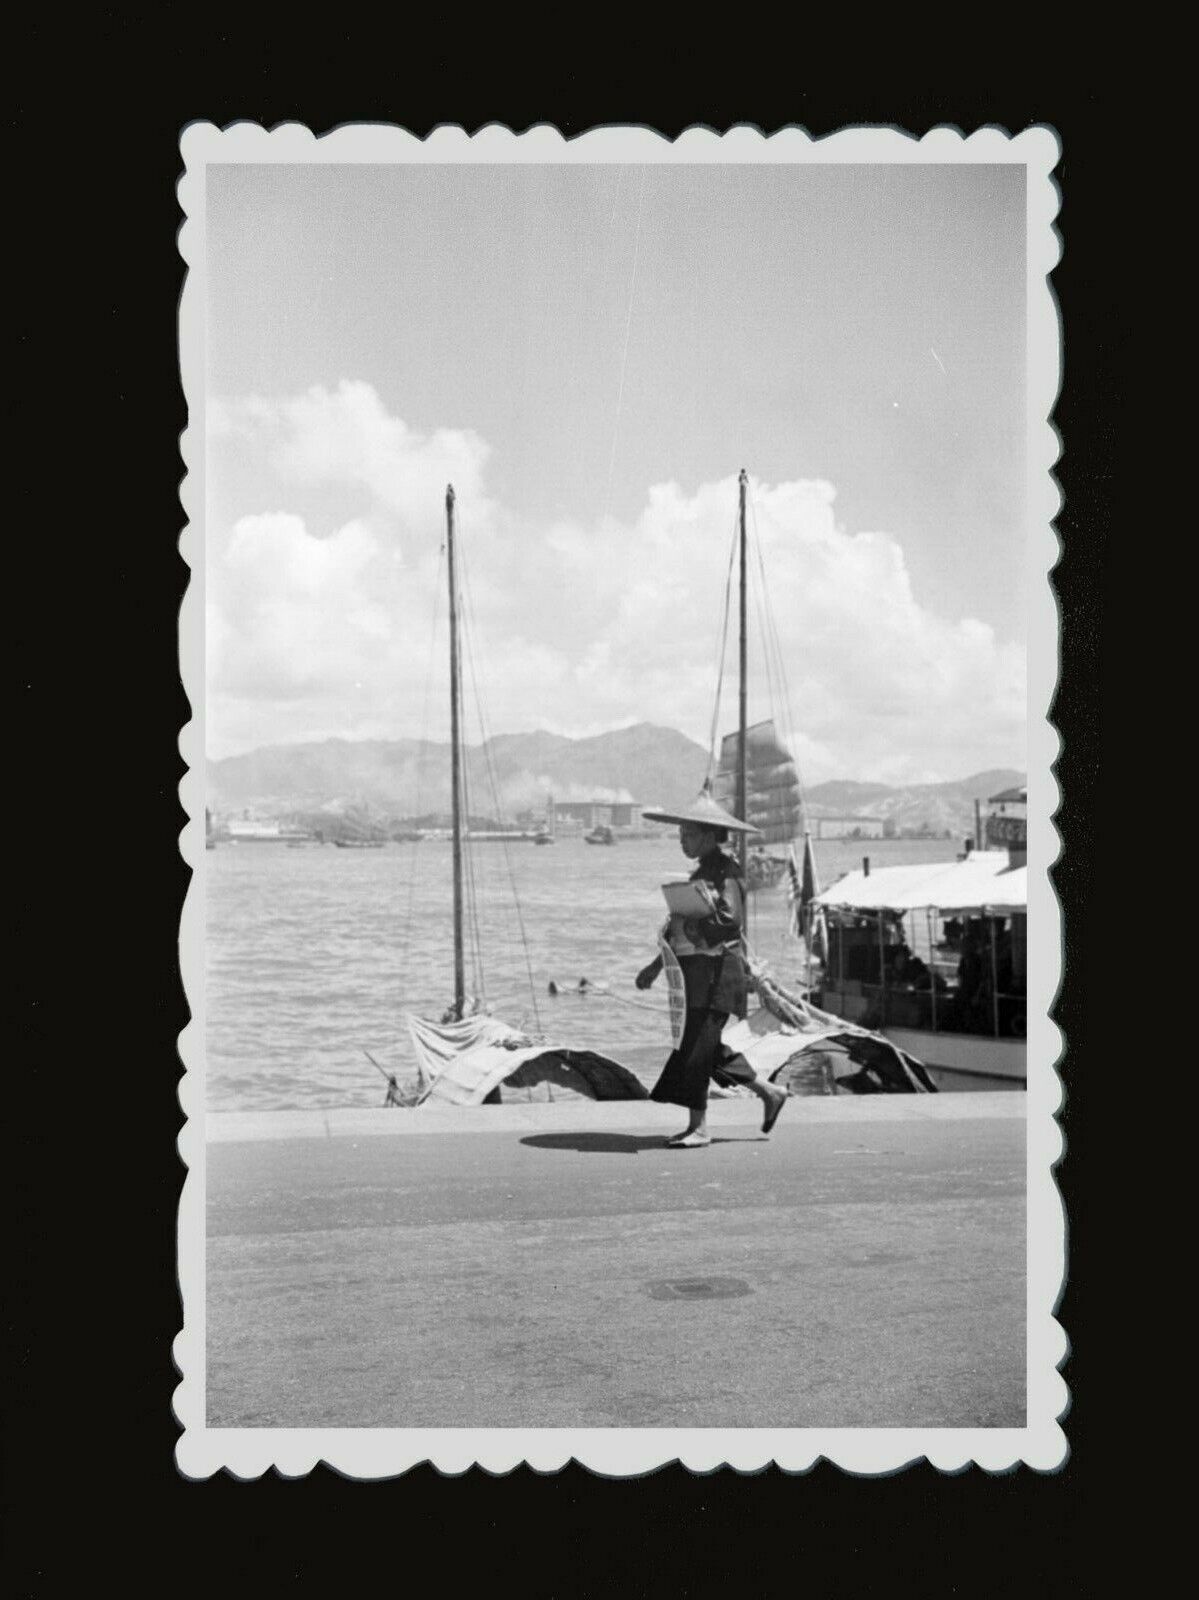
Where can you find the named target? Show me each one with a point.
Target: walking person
(709, 950)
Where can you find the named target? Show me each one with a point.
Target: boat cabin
(934, 956)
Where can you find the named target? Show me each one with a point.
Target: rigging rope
(422, 763)
(470, 886)
(484, 732)
(780, 659)
(627, 1000)
(601, 988)
(774, 646)
(724, 639)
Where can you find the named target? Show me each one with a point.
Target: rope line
(600, 990)
(470, 883)
(421, 766)
(788, 934)
(490, 768)
(724, 639)
(780, 658)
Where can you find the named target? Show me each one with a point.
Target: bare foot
(774, 1109)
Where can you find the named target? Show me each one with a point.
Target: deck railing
(1000, 1016)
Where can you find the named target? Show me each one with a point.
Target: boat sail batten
(773, 798)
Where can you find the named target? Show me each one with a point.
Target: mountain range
(513, 772)
(412, 776)
(936, 808)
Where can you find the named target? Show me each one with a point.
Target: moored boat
(546, 833)
(961, 1006)
(246, 831)
(468, 1056)
(785, 1036)
(763, 871)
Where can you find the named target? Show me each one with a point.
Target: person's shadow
(626, 1144)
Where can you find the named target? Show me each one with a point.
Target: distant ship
(546, 832)
(246, 832)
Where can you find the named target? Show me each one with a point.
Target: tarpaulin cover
(985, 881)
(790, 1041)
(462, 1062)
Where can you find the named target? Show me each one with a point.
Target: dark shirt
(717, 978)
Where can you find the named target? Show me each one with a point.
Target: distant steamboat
(262, 833)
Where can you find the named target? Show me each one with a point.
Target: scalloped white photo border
(384, 1452)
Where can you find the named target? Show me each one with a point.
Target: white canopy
(984, 881)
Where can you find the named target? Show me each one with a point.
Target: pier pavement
(555, 1266)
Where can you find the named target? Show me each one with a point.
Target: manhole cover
(698, 1288)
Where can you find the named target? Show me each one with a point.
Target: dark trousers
(699, 1059)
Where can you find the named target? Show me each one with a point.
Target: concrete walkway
(554, 1266)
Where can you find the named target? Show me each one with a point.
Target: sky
(590, 354)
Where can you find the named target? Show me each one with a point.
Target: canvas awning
(985, 881)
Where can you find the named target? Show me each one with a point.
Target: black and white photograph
(620, 943)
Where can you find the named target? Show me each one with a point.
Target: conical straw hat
(703, 810)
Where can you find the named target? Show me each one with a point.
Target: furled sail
(772, 794)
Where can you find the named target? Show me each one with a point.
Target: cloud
(345, 436)
(320, 627)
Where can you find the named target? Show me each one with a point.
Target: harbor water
(314, 954)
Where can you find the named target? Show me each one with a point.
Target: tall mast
(742, 796)
(455, 763)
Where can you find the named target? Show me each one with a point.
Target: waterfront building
(1007, 821)
(597, 813)
(848, 827)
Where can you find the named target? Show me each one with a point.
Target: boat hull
(263, 838)
(974, 1055)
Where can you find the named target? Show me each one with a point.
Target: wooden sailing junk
(789, 1039)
